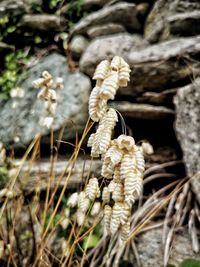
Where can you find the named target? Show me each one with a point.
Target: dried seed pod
(97, 106)
(91, 140)
(83, 202)
(107, 170)
(128, 165)
(113, 155)
(92, 189)
(125, 231)
(3, 192)
(95, 209)
(116, 63)
(139, 159)
(115, 219)
(107, 217)
(38, 83)
(116, 174)
(124, 74)
(80, 216)
(73, 200)
(102, 70)
(109, 86)
(126, 142)
(46, 75)
(118, 193)
(102, 137)
(133, 185)
(105, 195)
(147, 148)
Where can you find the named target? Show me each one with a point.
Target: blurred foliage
(13, 63)
(92, 239)
(3, 176)
(190, 263)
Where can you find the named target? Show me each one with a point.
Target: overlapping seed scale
(107, 170)
(120, 215)
(126, 142)
(118, 193)
(125, 231)
(116, 63)
(91, 140)
(92, 189)
(105, 195)
(128, 165)
(133, 185)
(107, 217)
(139, 159)
(116, 174)
(113, 155)
(96, 208)
(109, 86)
(83, 202)
(73, 200)
(93, 104)
(102, 70)
(110, 118)
(38, 83)
(80, 216)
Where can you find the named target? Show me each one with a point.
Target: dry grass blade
(167, 247)
(193, 231)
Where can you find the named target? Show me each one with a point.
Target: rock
(160, 98)
(154, 68)
(42, 22)
(6, 47)
(168, 18)
(12, 7)
(78, 45)
(88, 4)
(107, 47)
(123, 13)
(105, 29)
(187, 102)
(39, 173)
(17, 7)
(142, 111)
(152, 254)
(22, 122)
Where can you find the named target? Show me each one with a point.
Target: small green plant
(12, 70)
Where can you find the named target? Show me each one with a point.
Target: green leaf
(90, 241)
(190, 263)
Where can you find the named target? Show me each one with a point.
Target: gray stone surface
(105, 29)
(142, 111)
(150, 248)
(187, 126)
(169, 17)
(154, 68)
(123, 13)
(23, 121)
(42, 22)
(78, 45)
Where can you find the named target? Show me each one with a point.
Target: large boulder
(20, 122)
(187, 126)
(123, 13)
(155, 67)
(168, 18)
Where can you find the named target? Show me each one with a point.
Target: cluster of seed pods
(47, 93)
(123, 162)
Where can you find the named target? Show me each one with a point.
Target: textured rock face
(105, 29)
(187, 127)
(169, 17)
(150, 248)
(22, 122)
(159, 64)
(108, 46)
(123, 13)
